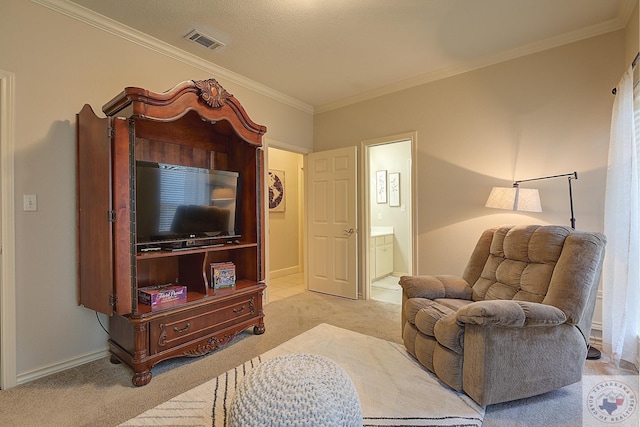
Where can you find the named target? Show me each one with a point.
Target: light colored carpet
(99, 394)
(393, 389)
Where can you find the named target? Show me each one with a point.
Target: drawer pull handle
(239, 310)
(185, 329)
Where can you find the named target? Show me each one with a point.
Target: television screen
(184, 203)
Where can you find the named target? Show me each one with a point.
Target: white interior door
(332, 222)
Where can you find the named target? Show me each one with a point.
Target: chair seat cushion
(413, 306)
(427, 317)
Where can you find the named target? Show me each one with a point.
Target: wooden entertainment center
(196, 124)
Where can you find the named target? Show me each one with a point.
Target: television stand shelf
(197, 125)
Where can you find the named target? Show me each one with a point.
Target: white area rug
(394, 389)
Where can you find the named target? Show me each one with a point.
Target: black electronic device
(185, 206)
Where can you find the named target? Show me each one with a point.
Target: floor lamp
(528, 200)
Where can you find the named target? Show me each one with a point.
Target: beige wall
(543, 114)
(59, 65)
(632, 36)
(284, 227)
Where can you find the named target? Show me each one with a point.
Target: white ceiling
(327, 53)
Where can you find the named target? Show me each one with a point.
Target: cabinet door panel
(122, 250)
(384, 260)
(95, 274)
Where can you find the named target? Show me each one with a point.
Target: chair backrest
(548, 264)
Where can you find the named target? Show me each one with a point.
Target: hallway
(385, 289)
(286, 286)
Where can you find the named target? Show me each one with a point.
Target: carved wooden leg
(141, 378)
(259, 329)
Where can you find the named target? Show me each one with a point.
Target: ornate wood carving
(141, 378)
(210, 91)
(162, 339)
(211, 344)
(207, 97)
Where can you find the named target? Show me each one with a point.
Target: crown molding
(103, 23)
(626, 8)
(485, 61)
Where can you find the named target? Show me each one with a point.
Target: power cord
(101, 325)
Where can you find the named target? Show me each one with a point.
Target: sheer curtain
(621, 274)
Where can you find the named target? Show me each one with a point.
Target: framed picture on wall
(394, 189)
(381, 186)
(276, 191)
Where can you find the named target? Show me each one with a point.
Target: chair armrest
(432, 287)
(510, 313)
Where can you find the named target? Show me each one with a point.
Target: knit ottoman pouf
(296, 390)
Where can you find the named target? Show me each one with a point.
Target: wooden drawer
(180, 328)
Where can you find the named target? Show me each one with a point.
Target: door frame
(302, 223)
(8, 373)
(365, 211)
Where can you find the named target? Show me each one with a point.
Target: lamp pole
(571, 176)
(573, 218)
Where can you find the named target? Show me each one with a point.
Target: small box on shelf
(223, 276)
(162, 296)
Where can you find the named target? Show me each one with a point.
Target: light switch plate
(30, 203)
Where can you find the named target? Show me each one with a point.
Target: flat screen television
(185, 205)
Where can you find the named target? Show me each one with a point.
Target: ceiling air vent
(204, 40)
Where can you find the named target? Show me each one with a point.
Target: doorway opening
(389, 238)
(285, 224)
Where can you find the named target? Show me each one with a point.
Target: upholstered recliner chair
(517, 322)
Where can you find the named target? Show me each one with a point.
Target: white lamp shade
(514, 199)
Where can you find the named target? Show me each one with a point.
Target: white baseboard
(274, 274)
(59, 367)
(596, 339)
